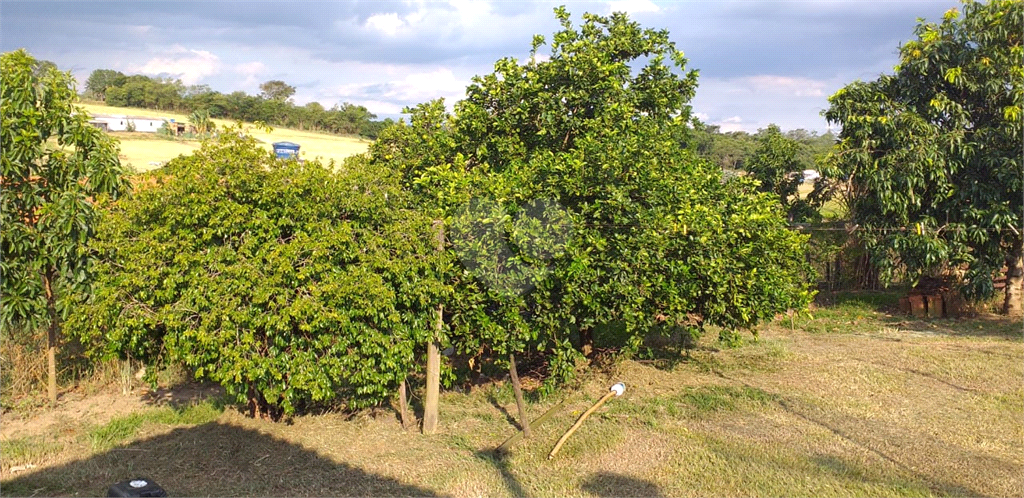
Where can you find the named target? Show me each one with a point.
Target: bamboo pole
(533, 425)
(615, 390)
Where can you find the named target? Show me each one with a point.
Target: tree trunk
(433, 381)
(1012, 304)
(587, 341)
(517, 388)
(52, 334)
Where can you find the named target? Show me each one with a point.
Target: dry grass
(144, 151)
(881, 406)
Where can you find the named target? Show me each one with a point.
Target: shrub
(288, 284)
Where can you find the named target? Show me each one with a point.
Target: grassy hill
(144, 151)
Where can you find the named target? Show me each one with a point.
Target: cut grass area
(144, 150)
(833, 208)
(875, 406)
(122, 429)
(79, 438)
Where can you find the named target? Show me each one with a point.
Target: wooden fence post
(434, 357)
(403, 404)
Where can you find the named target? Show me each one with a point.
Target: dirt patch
(76, 408)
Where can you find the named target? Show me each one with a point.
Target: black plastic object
(136, 487)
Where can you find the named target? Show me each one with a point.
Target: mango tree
(53, 166)
(931, 154)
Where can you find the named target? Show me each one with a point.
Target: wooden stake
(403, 405)
(517, 388)
(434, 357)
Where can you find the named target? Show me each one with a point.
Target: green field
(854, 402)
(145, 151)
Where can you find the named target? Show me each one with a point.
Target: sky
(760, 62)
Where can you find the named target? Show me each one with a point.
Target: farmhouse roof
(122, 116)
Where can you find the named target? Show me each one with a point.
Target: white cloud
(251, 71)
(189, 65)
(633, 6)
(728, 125)
(785, 85)
(390, 97)
(471, 11)
(385, 23)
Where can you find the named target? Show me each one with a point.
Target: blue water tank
(286, 150)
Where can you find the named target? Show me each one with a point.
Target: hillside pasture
(144, 151)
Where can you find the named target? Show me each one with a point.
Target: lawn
(854, 402)
(144, 151)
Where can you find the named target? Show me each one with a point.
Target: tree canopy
(574, 210)
(102, 79)
(931, 154)
(776, 164)
(276, 90)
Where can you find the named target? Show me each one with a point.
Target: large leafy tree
(276, 90)
(102, 79)
(931, 155)
(54, 166)
(584, 213)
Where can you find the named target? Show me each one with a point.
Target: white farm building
(142, 124)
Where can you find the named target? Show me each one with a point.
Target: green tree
(931, 155)
(54, 167)
(730, 151)
(102, 79)
(276, 90)
(573, 209)
(776, 165)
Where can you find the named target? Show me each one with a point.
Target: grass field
(142, 150)
(854, 402)
(832, 209)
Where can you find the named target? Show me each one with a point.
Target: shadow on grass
(881, 301)
(843, 468)
(936, 484)
(512, 484)
(212, 459)
(608, 484)
(508, 416)
(186, 394)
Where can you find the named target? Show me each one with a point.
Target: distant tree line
(734, 150)
(273, 106)
(771, 156)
